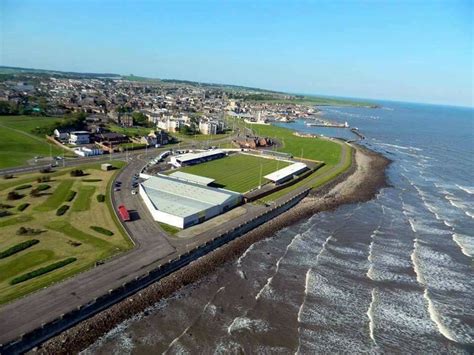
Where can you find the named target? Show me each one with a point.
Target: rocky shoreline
(360, 183)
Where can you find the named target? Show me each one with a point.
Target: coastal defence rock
(360, 183)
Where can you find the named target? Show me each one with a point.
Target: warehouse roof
(201, 180)
(191, 156)
(183, 198)
(286, 172)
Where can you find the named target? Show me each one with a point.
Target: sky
(416, 51)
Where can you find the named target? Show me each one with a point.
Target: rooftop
(183, 198)
(286, 171)
(192, 156)
(201, 180)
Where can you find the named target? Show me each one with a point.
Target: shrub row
(4, 205)
(42, 187)
(23, 207)
(70, 196)
(8, 176)
(100, 198)
(18, 247)
(28, 231)
(77, 172)
(42, 271)
(102, 230)
(62, 210)
(91, 180)
(43, 179)
(22, 187)
(5, 213)
(12, 195)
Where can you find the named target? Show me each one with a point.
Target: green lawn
(82, 201)
(238, 172)
(310, 148)
(130, 131)
(67, 236)
(58, 197)
(17, 142)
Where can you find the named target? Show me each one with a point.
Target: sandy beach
(360, 183)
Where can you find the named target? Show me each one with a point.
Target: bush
(22, 207)
(42, 271)
(70, 196)
(22, 187)
(100, 198)
(18, 247)
(12, 195)
(102, 230)
(62, 210)
(8, 176)
(91, 180)
(4, 213)
(46, 170)
(42, 187)
(4, 206)
(28, 231)
(43, 179)
(77, 172)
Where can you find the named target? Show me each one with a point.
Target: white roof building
(183, 203)
(286, 173)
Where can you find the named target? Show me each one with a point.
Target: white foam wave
(208, 305)
(370, 315)
(270, 279)
(242, 323)
(416, 265)
(467, 189)
(464, 243)
(436, 318)
(401, 147)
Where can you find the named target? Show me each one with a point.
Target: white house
(79, 137)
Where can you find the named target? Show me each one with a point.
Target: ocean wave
(245, 323)
(467, 189)
(436, 318)
(370, 315)
(401, 147)
(465, 243)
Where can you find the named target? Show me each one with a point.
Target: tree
(139, 119)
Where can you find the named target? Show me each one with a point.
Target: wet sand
(360, 183)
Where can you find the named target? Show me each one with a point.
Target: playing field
(60, 237)
(18, 144)
(239, 172)
(310, 148)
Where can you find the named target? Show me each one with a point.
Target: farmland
(66, 237)
(17, 142)
(239, 172)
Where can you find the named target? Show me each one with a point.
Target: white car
(134, 192)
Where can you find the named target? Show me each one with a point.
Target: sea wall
(65, 321)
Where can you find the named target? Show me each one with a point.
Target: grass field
(61, 237)
(309, 148)
(17, 142)
(239, 172)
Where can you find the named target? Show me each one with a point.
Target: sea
(391, 275)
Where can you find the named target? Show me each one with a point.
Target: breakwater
(65, 321)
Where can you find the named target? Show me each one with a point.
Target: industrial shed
(183, 203)
(287, 173)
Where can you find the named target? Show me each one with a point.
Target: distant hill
(18, 70)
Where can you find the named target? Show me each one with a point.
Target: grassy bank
(17, 142)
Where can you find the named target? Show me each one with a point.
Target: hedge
(102, 230)
(5, 206)
(12, 195)
(42, 271)
(91, 180)
(62, 210)
(22, 187)
(22, 207)
(42, 187)
(100, 198)
(70, 196)
(18, 247)
(5, 213)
